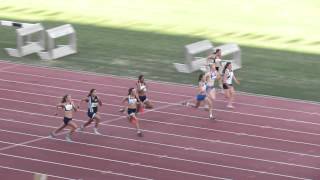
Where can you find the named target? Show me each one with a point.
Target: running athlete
(68, 106)
(131, 102)
(93, 103)
(202, 96)
(216, 58)
(211, 76)
(142, 92)
(228, 76)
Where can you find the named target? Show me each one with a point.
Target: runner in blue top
(201, 96)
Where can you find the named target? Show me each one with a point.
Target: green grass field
(279, 39)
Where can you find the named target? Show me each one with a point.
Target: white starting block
(56, 51)
(194, 63)
(199, 63)
(25, 44)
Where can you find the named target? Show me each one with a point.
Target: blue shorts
(201, 97)
(91, 115)
(132, 111)
(142, 98)
(66, 120)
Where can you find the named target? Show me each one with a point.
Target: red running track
(263, 138)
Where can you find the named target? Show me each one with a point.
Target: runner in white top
(131, 103)
(216, 58)
(211, 77)
(142, 92)
(228, 77)
(68, 107)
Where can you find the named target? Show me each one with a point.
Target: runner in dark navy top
(68, 107)
(93, 103)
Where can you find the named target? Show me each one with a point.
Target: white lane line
(316, 103)
(233, 112)
(154, 155)
(215, 130)
(154, 110)
(74, 166)
(159, 92)
(32, 172)
(146, 111)
(248, 114)
(190, 137)
(34, 66)
(38, 139)
(148, 166)
(176, 135)
(89, 83)
(128, 163)
(23, 143)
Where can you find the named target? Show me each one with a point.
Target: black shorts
(132, 111)
(226, 86)
(91, 114)
(66, 120)
(142, 98)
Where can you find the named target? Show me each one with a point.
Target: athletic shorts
(142, 98)
(226, 86)
(201, 97)
(66, 120)
(132, 111)
(91, 115)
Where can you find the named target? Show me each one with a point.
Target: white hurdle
(32, 38)
(56, 51)
(194, 63)
(235, 51)
(25, 43)
(14, 24)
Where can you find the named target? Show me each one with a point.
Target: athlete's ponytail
(91, 91)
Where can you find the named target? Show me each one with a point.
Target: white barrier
(235, 51)
(14, 24)
(25, 43)
(199, 63)
(56, 51)
(193, 63)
